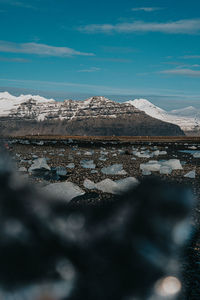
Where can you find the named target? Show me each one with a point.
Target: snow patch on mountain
(40, 108)
(189, 111)
(177, 117)
(9, 102)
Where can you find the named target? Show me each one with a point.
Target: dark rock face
(138, 124)
(96, 116)
(119, 250)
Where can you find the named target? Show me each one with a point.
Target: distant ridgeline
(96, 116)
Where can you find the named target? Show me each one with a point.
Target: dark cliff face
(135, 124)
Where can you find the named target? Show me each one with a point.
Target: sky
(138, 48)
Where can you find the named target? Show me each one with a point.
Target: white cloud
(90, 70)
(39, 49)
(146, 9)
(191, 56)
(182, 72)
(22, 4)
(188, 26)
(14, 59)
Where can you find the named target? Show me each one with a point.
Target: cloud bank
(188, 26)
(39, 49)
(182, 72)
(146, 9)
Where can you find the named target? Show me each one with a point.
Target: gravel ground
(62, 155)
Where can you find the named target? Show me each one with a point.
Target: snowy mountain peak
(96, 99)
(187, 118)
(6, 95)
(148, 107)
(144, 103)
(189, 111)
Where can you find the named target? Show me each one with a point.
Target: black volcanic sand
(59, 154)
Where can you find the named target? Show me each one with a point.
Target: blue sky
(126, 48)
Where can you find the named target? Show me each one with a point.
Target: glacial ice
(116, 169)
(64, 190)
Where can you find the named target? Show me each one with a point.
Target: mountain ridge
(96, 115)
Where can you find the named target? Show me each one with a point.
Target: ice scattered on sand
(102, 158)
(126, 183)
(106, 186)
(38, 164)
(146, 173)
(87, 164)
(64, 190)
(89, 153)
(141, 154)
(61, 171)
(196, 155)
(164, 167)
(191, 174)
(116, 169)
(70, 165)
(150, 166)
(94, 171)
(147, 154)
(173, 163)
(166, 170)
(109, 186)
(88, 184)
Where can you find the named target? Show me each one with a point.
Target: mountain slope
(29, 114)
(186, 123)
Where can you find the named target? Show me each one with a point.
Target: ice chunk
(88, 184)
(64, 190)
(116, 169)
(40, 163)
(106, 186)
(70, 165)
(125, 184)
(89, 153)
(165, 170)
(163, 152)
(196, 155)
(102, 158)
(192, 147)
(61, 171)
(112, 187)
(141, 154)
(146, 173)
(191, 174)
(150, 166)
(173, 163)
(87, 164)
(156, 153)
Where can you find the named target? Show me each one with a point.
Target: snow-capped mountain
(39, 108)
(28, 114)
(9, 103)
(189, 111)
(187, 118)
